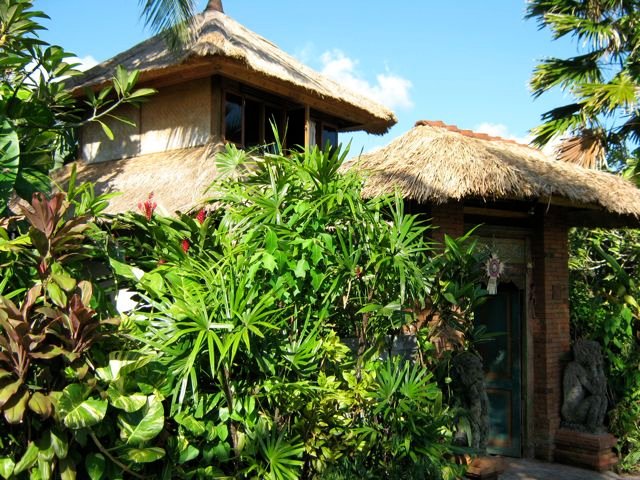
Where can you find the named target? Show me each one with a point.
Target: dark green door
(502, 314)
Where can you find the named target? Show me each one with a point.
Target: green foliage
(57, 407)
(246, 323)
(602, 79)
(38, 115)
(605, 277)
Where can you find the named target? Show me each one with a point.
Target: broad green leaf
(301, 268)
(188, 454)
(128, 403)
(269, 261)
(107, 131)
(95, 464)
(77, 411)
(67, 469)
(121, 363)
(8, 391)
(65, 282)
(56, 294)
(6, 467)
(194, 426)
(28, 460)
(14, 245)
(9, 161)
(40, 404)
(15, 408)
(125, 270)
(45, 468)
(59, 443)
(144, 455)
(271, 241)
(143, 425)
(153, 283)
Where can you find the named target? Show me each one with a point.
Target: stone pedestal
(587, 450)
(485, 468)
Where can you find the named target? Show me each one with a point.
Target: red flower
(185, 245)
(162, 261)
(148, 206)
(201, 216)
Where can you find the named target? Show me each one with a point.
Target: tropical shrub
(247, 320)
(605, 275)
(64, 394)
(38, 115)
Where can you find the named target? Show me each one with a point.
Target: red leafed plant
(36, 340)
(53, 328)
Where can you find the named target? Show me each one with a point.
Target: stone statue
(468, 376)
(585, 389)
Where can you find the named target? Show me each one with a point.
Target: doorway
(502, 316)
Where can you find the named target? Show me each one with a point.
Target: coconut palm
(173, 16)
(603, 79)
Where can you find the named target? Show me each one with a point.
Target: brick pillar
(550, 327)
(448, 218)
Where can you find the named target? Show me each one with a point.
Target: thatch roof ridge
(435, 162)
(216, 34)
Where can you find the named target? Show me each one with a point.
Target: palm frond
(174, 18)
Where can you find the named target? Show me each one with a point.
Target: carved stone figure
(469, 384)
(585, 389)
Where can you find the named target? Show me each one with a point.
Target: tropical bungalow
(228, 85)
(525, 203)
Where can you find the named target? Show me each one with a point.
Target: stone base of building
(485, 468)
(586, 450)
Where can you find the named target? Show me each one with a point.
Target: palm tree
(603, 79)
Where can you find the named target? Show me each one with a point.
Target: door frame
(526, 337)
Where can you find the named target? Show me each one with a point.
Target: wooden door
(502, 315)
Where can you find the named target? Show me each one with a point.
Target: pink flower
(162, 261)
(201, 216)
(147, 207)
(185, 245)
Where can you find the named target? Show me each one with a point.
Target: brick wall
(549, 327)
(548, 318)
(449, 219)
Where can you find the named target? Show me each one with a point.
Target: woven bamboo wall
(176, 117)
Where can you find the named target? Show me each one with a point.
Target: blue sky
(466, 62)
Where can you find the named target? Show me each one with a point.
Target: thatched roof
(178, 179)
(224, 46)
(436, 163)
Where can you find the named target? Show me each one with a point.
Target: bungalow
(525, 204)
(228, 85)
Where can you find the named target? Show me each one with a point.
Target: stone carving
(585, 389)
(469, 385)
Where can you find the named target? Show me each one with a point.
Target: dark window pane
(295, 129)
(252, 122)
(329, 135)
(233, 119)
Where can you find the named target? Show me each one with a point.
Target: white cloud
(85, 63)
(390, 90)
(305, 53)
(500, 130)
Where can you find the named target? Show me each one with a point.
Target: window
(251, 115)
(233, 119)
(321, 133)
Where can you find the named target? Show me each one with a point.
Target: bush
(247, 308)
(235, 361)
(604, 275)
